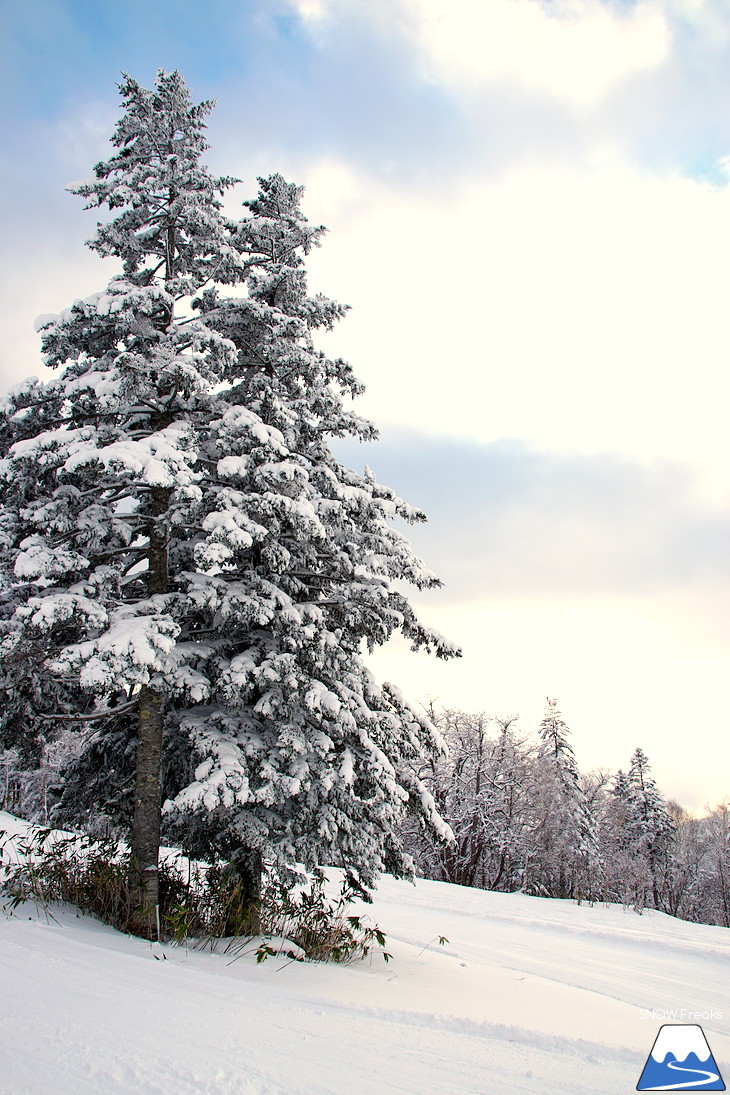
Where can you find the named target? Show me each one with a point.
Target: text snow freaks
(679, 1015)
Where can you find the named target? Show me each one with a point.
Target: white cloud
(312, 10)
(708, 19)
(574, 50)
(580, 308)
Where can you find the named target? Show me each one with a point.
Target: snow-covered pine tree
(563, 834)
(649, 825)
(613, 864)
(507, 794)
(185, 562)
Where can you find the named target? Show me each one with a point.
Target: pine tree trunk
(146, 824)
(248, 865)
(145, 836)
(144, 893)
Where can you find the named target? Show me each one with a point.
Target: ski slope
(529, 995)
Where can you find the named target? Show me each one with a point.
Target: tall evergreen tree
(563, 833)
(615, 862)
(187, 570)
(507, 794)
(649, 824)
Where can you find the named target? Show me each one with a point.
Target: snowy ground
(529, 995)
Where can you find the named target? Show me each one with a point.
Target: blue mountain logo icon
(680, 1060)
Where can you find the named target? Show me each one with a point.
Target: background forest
(524, 818)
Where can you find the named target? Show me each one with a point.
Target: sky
(528, 205)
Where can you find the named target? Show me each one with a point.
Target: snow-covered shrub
(198, 902)
(325, 928)
(47, 866)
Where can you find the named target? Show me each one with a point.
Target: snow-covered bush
(199, 903)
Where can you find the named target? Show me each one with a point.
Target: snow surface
(529, 995)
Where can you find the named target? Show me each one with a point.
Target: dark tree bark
(248, 866)
(144, 890)
(145, 836)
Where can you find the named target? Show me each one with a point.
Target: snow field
(529, 995)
